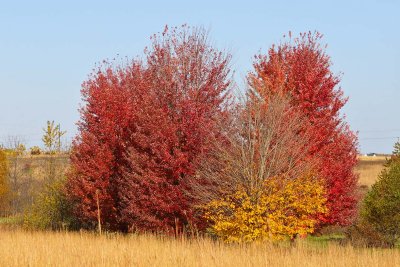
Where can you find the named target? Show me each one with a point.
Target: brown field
(369, 168)
(18, 248)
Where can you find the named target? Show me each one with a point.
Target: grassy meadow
(19, 247)
(369, 168)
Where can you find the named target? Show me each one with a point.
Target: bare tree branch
(261, 140)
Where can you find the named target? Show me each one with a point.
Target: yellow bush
(283, 209)
(51, 210)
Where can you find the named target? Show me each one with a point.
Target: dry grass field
(19, 248)
(369, 168)
(23, 248)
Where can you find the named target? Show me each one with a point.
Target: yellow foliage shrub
(283, 209)
(51, 209)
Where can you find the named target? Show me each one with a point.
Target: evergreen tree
(381, 207)
(396, 150)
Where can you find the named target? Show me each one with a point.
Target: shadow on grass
(324, 240)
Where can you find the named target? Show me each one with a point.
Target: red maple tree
(300, 68)
(99, 148)
(188, 83)
(143, 128)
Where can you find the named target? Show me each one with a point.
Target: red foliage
(142, 130)
(98, 150)
(301, 68)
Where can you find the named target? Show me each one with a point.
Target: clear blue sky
(48, 48)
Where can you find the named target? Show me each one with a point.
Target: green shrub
(11, 222)
(51, 209)
(380, 211)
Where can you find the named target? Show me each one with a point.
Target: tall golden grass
(24, 248)
(369, 169)
(20, 248)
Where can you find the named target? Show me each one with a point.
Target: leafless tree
(16, 148)
(262, 140)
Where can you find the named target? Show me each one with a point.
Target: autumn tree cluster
(142, 130)
(164, 146)
(301, 69)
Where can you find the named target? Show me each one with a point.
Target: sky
(48, 48)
